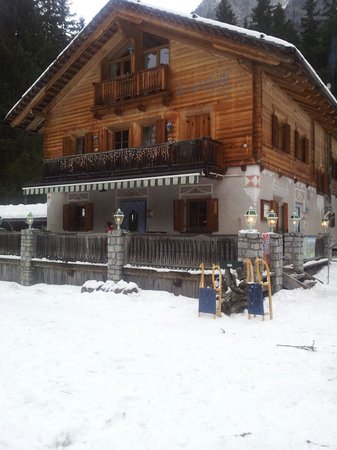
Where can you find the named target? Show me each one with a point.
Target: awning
(168, 180)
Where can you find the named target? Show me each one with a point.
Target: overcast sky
(88, 8)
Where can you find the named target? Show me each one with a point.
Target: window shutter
(104, 140)
(160, 131)
(179, 215)
(68, 145)
(325, 183)
(204, 125)
(297, 144)
(88, 144)
(66, 217)
(306, 150)
(275, 131)
(287, 138)
(105, 65)
(284, 211)
(212, 214)
(89, 217)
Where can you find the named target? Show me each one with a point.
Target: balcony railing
(143, 83)
(171, 157)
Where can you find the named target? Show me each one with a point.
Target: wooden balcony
(169, 158)
(133, 87)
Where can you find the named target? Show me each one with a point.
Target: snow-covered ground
(106, 371)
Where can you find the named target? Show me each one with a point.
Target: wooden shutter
(89, 217)
(179, 215)
(204, 125)
(287, 138)
(325, 183)
(212, 214)
(105, 140)
(88, 143)
(284, 212)
(68, 146)
(306, 150)
(160, 131)
(297, 143)
(105, 68)
(275, 131)
(69, 217)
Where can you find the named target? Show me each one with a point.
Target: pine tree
(329, 43)
(261, 17)
(310, 44)
(224, 13)
(31, 36)
(282, 27)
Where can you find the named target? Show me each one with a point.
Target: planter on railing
(180, 251)
(133, 85)
(200, 154)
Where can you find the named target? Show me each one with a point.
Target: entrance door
(134, 215)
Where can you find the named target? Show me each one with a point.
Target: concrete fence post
(276, 261)
(27, 253)
(116, 250)
(249, 245)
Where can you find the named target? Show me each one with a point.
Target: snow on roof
(39, 210)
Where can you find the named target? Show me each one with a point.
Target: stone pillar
(276, 261)
(116, 249)
(293, 250)
(249, 245)
(27, 253)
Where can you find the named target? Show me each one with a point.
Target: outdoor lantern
(325, 222)
(251, 216)
(295, 220)
(119, 217)
(30, 220)
(272, 219)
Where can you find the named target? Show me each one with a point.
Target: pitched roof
(292, 68)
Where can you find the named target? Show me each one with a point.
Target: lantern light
(272, 219)
(119, 217)
(295, 220)
(250, 216)
(30, 220)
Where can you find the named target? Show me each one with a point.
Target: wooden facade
(143, 92)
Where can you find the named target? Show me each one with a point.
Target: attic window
(156, 51)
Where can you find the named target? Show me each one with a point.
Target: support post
(116, 250)
(293, 250)
(27, 253)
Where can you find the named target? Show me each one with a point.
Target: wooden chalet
(183, 123)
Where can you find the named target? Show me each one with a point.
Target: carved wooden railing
(68, 247)
(200, 154)
(10, 243)
(133, 85)
(180, 251)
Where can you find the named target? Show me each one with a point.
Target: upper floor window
(280, 134)
(121, 139)
(119, 67)
(148, 135)
(301, 147)
(156, 51)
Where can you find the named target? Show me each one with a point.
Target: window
(78, 217)
(119, 68)
(121, 139)
(196, 215)
(79, 145)
(156, 51)
(280, 134)
(149, 135)
(301, 148)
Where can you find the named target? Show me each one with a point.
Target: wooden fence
(180, 251)
(10, 243)
(71, 247)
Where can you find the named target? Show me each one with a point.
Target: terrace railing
(72, 247)
(10, 243)
(133, 85)
(199, 154)
(180, 251)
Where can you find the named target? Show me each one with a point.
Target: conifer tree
(329, 43)
(282, 27)
(261, 17)
(310, 44)
(224, 13)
